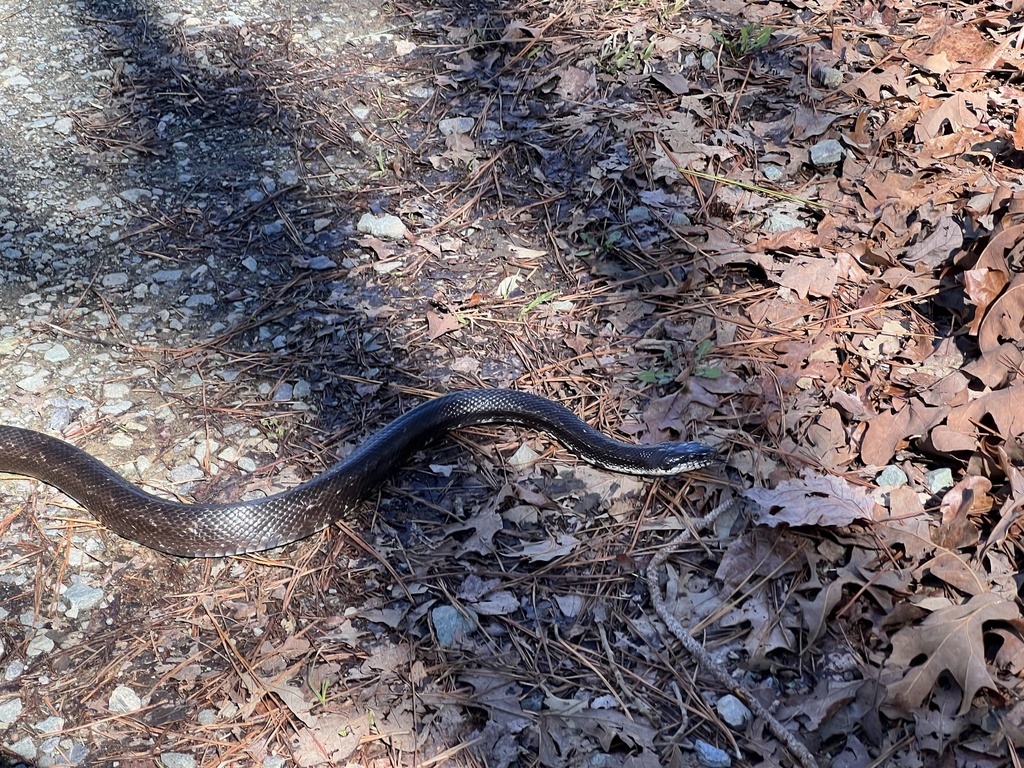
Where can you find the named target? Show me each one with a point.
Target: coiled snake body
(211, 530)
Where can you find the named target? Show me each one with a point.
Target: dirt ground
(235, 241)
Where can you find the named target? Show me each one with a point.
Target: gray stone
(385, 227)
(167, 275)
(891, 477)
(57, 353)
(81, 597)
(711, 756)
(35, 383)
(52, 724)
(177, 760)
(450, 625)
(9, 711)
(452, 125)
(200, 300)
(321, 262)
(939, 479)
(115, 280)
(826, 153)
(733, 711)
(781, 222)
(124, 700)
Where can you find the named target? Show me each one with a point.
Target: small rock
(35, 383)
(938, 480)
(115, 280)
(64, 126)
(39, 645)
(452, 125)
(250, 263)
(177, 760)
(24, 748)
(385, 227)
(826, 153)
(9, 711)
(319, 225)
(88, 203)
(780, 222)
(710, 756)
(56, 354)
(288, 177)
(450, 625)
(321, 262)
(283, 393)
(771, 172)
(116, 390)
(124, 700)
(273, 761)
(81, 597)
(891, 477)
(167, 275)
(830, 77)
(733, 711)
(207, 717)
(52, 724)
(200, 300)
(135, 194)
(186, 473)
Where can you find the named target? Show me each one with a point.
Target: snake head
(676, 458)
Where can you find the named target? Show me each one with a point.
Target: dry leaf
(950, 640)
(813, 500)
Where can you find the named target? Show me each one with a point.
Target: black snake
(211, 530)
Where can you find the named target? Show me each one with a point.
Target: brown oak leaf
(951, 640)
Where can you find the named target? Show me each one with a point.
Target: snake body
(212, 530)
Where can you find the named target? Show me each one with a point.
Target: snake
(235, 528)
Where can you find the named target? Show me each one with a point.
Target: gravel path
(146, 210)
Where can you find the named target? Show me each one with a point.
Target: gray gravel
(88, 307)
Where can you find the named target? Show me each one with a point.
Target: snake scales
(211, 530)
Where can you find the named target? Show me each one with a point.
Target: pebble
(938, 480)
(57, 353)
(9, 711)
(826, 153)
(891, 477)
(711, 756)
(733, 711)
(115, 280)
(124, 700)
(35, 383)
(64, 126)
(450, 625)
(81, 597)
(177, 760)
(780, 222)
(200, 300)
(272, 761)
(207, 716)
(321, 262)
(38, 645)
(167, 275)
(24, 748)
(90, 202)
(52, 724)
(186, 473)
(454, 125)
(386, 227)
(116, 390)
